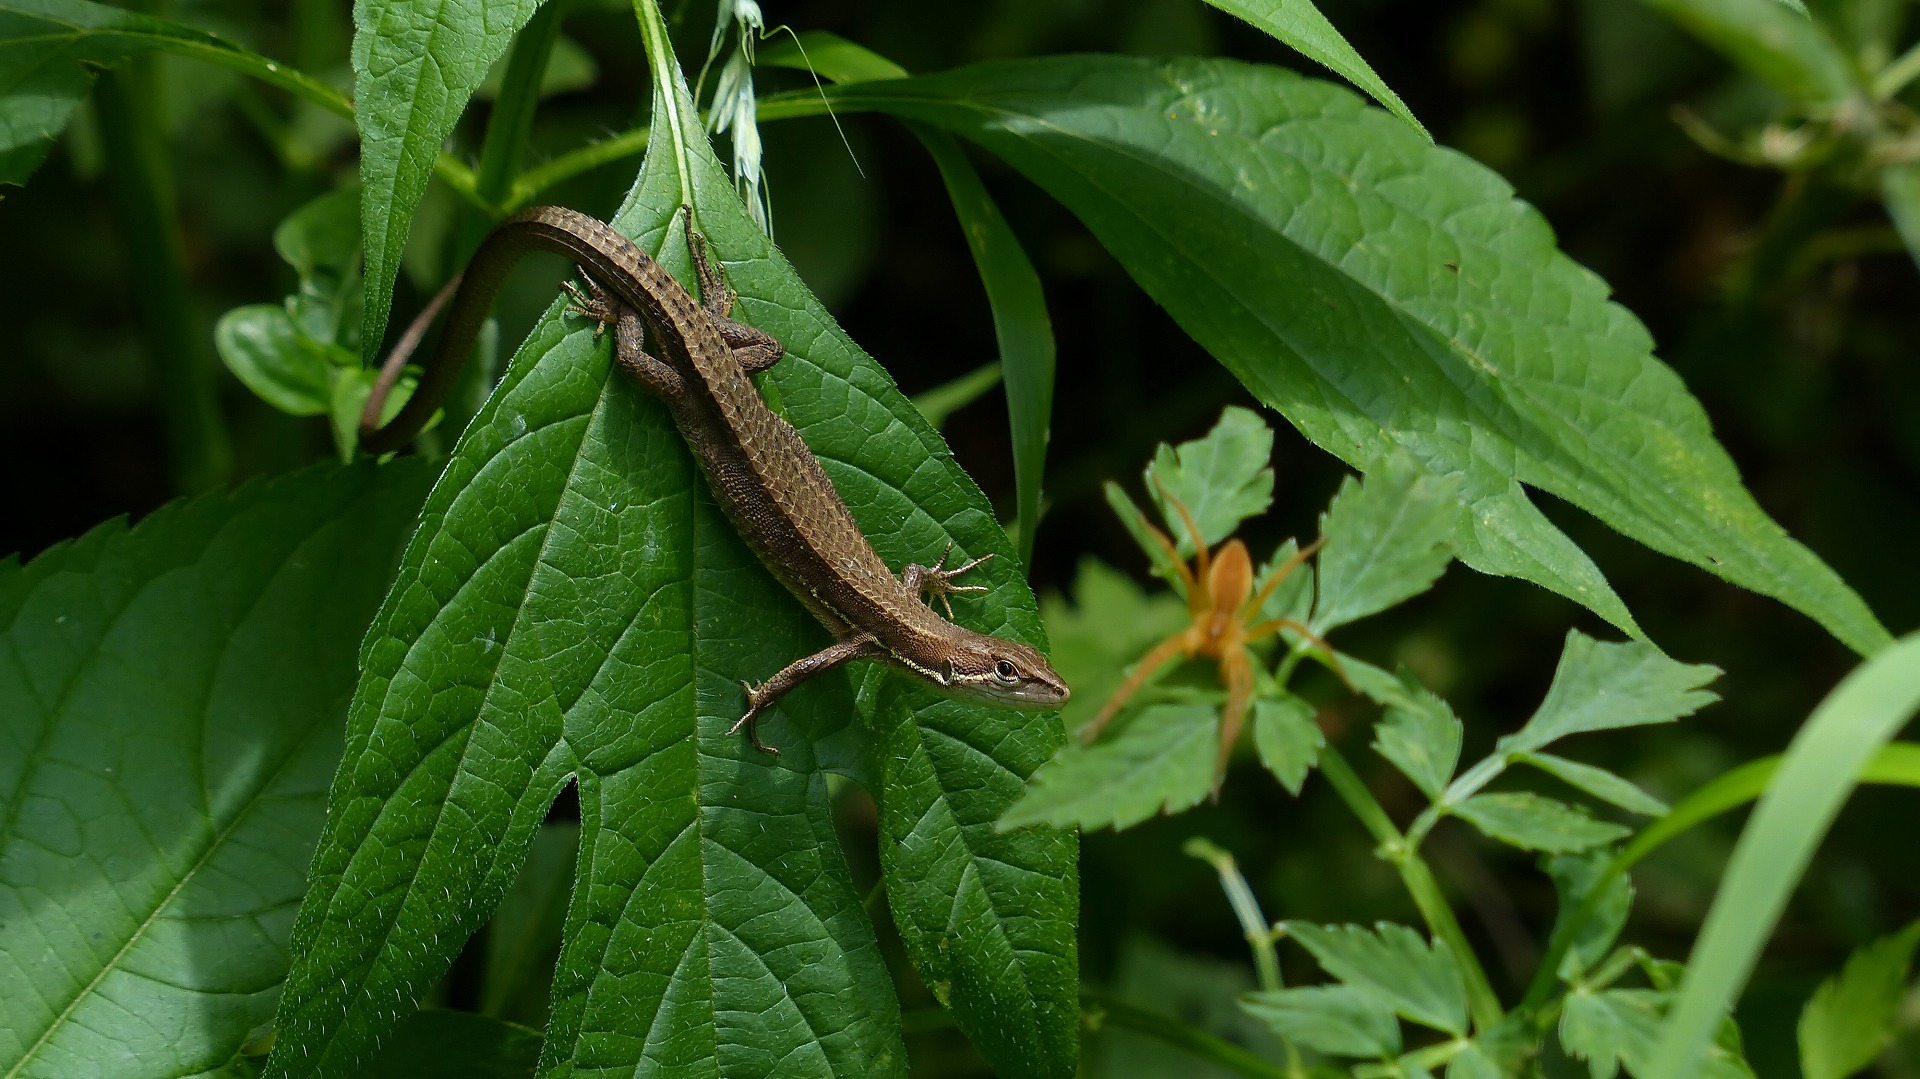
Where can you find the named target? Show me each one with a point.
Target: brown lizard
(763, 475)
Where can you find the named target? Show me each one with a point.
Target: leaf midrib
(1554, 467)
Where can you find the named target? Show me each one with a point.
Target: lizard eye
(1006, 672)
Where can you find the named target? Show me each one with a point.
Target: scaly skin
(763, 475)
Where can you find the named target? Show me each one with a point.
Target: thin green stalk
(1419, 882)
(533, 182)
(510, 124)
(1246, 909)
(1895, 76)
(1101, 1008)
(1181, 1035)
(200, 453)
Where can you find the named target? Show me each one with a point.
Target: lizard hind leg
(755, 348)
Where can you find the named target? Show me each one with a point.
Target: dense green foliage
(1344, 812)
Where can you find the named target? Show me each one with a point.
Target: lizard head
(1004, 672)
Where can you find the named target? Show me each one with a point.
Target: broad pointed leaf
(1380, 291)
(170, 705)
(1300, 24)
(575, 605)
(415, 65)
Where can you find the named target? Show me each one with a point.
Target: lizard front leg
(935, 580)
(629, 339)
(762, 697)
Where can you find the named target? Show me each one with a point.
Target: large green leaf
(170, 703)
(1378, 290)
(415, 64)
(50, 51)
(575, 605)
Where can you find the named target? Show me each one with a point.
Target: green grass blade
(1818, 771)
(1020, 323)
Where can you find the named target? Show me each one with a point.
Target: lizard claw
(598, 307)
(937, 580)
(751, 719)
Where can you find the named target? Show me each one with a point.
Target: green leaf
(1222, 478)
(829, 56)
(1287, 738)
(170, 703)
(1853, 1014)
(523, 939)
(50, 51)
(1900, 190)
(415, 64)
(321, 241)
(1531, 822)
(1109, 624)
(1020, 323)
(270, 356)
(1820, 769)
(1773, 42)
(1388, 540)
(1293, 597)
(1474, 1063)
(1379, 291)
(1336, 1019)
(1618, 1026)
(1300, 25)
(441, 1044)
(1420, 736)
(1141, 529)
(575, 604)
(1394, 963)
(1602, 685)
(1575, 876)
(1160, 761)
(1598, 782)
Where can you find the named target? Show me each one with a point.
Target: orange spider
(1222, 626)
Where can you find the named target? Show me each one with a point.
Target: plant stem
(511, 123)
(199, 450)
(533, 182)
(1246, 909)
(1419, 882)
(1180, 1035)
